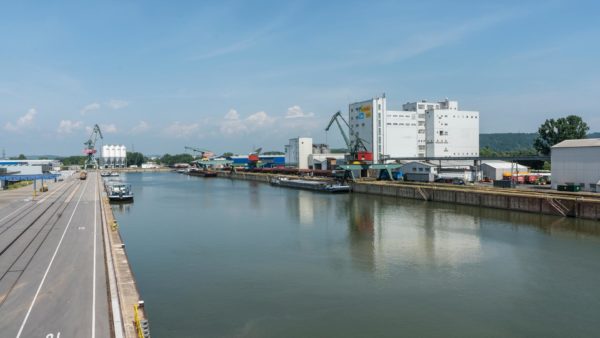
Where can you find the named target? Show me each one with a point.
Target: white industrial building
(420, 129)
(495, 170)
(297, 151)
(451, 132)
(367, 121)
(577, 162)
(325, 161)
(114, 156)
(402, 138)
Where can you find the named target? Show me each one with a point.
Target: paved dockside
(52, 270)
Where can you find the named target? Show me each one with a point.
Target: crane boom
(90, 148)
(203, 152)
(335, 118)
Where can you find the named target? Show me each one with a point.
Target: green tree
(73, 160)
(227, 154)
(273, 153)
(555, 131)
(169, 159)
(134, 158)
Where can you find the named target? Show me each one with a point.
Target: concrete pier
(63, 269)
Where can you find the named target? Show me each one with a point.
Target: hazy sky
(233, 75)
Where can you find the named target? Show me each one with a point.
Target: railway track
(22, 236)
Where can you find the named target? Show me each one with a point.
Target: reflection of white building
(436, 237)
(114, 156)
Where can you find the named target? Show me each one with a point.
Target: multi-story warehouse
(451, 132)
(421, 129)
(420, 108)
(402, 134)
(367, 121)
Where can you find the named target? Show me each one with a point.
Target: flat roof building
(577, 162)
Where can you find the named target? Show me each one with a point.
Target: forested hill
(512, 141)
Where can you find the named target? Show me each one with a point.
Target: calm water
(224, 258)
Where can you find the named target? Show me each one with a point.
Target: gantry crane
(254, 159)
(204, 154)
(356, 147)
(90, 147)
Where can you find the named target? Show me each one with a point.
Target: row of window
(402, 116)
(401, 124)
(460, 116)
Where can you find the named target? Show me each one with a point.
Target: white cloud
(295, 112)
(90, 107)
(24, 121)
(117, 104)
(68, 126)
(259, 119)
(108, 128)
(181, 130)
(141, 127)
(233, 124)
(232, 114)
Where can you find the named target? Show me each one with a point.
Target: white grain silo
(111, 155)
(104, 155)
(123, 155)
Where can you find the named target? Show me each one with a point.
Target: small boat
(119, 191)
(323, 186)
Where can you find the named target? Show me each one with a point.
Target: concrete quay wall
(123, 291)
(548, 204)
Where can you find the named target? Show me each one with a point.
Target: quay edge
(545, 203)
(124, 296)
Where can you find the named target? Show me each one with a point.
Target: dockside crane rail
(90, 147)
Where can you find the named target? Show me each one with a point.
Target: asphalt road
(52, 272)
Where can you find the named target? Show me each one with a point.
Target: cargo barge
(202, 173)
(330, 187)
(119, 192)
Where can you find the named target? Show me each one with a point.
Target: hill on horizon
(513, 141)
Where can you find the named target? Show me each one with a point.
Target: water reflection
(383, 234)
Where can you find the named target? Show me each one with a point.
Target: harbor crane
(356, 147)
(204, 154)
(254, 158)
(90, 147)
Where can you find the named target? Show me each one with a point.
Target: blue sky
(233, 75)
